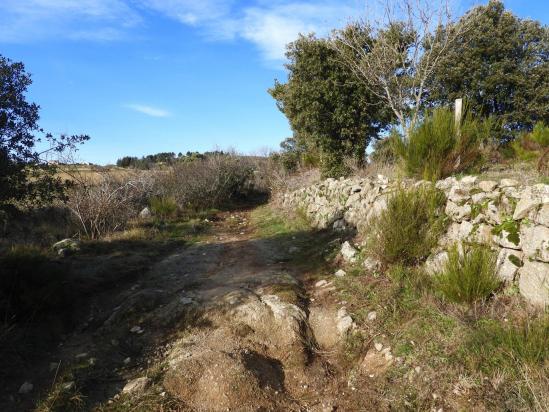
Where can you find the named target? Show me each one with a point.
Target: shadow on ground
(130, 298)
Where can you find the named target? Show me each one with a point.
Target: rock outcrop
(510, 218)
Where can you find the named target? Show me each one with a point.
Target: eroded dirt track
(219, 325)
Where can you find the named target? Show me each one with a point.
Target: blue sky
(145, 76)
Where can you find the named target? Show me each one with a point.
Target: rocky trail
(224, 324)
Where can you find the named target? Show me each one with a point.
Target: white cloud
(269, 25)
(270, 29)
(148, 110)
(31, 20)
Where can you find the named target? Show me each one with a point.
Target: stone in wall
(535, 242)
(508, 263)
(534, 282)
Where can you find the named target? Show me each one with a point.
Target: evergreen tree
(329, 110)
(500, 65)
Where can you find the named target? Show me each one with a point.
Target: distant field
(90, 172)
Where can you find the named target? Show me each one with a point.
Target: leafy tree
(24, 174)
(328, 109)
(500, 64)
(394, 58)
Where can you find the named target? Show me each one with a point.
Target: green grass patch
(495, 345)
(268, 222)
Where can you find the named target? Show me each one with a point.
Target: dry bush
(107, 203)
(206, 183)
(372, 168)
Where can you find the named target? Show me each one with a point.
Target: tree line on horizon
(366, 81)
(163, 158)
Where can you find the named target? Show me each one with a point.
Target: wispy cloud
(31, 20)
(148, 110)
(268, 25)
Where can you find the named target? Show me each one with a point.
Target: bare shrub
(107, 202)
(206, 183)
(370, 169)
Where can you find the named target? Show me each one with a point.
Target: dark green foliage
(384, 150)
(437, 148)
(32, 284)
(500, 63)
(24, 175)
(409, 228)
(164, 158)
(469, 276)
(330, 112)
(511, 227)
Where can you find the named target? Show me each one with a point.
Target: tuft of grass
(496, 345)
(407, 230)
(270, 223)
(468, 276)
(163, 207)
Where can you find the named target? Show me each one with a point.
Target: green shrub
(502, 345)
(163, 207)
(436, 148)
(32, 284)
(469, 276)
(532, 146)
(384, 150)
(407, 230)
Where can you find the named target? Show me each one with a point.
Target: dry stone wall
(511, 218)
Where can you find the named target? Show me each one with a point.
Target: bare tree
(396, 55)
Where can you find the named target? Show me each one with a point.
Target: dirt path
(219, 325)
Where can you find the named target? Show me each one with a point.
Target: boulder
(534, 282)
(506, 240)
(371, 264)
(446, 184)
(468, 181)
(508, 183)
(340, 273)
(487, 185)
(66, 245)
(25, 388)
(458, 213)
(344, 322)
(136, 386)
(348, 252)
(535, 242)
(458, 194)
(542, 217)
(145, 213)
(435, 263)
(508, 263)
(526, 204)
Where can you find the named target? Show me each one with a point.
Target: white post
(458, 112)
